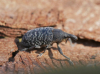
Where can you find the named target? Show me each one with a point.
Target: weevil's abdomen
(39, 36)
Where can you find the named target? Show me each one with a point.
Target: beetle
(45, 37)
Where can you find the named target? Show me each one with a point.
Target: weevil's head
(59, 36)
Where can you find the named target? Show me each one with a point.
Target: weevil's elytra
(45, 37)
(38, 37)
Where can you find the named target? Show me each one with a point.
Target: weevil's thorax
(58, 36)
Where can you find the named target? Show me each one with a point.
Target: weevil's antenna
(70, 38)
(71, 43)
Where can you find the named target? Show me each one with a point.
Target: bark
(84, 53)
(78, 17)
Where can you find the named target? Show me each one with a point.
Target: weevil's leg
(27, 48)
(37, 46)
(24, 49)
(59, 49)
(31, 47)
(42, 53)
(48, 46)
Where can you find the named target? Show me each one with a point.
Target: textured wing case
(39, 36)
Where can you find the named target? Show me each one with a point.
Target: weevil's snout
(73, 37)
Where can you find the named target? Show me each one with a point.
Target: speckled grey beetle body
(45, 37)
(38, 37)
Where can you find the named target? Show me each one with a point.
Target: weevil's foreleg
(59, 49)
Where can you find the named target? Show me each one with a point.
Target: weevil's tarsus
(71, 63)
(59, 49)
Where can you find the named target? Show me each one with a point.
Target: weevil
(45, 37)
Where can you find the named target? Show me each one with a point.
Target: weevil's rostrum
(45, 37)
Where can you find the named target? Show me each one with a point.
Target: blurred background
(77, 17)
